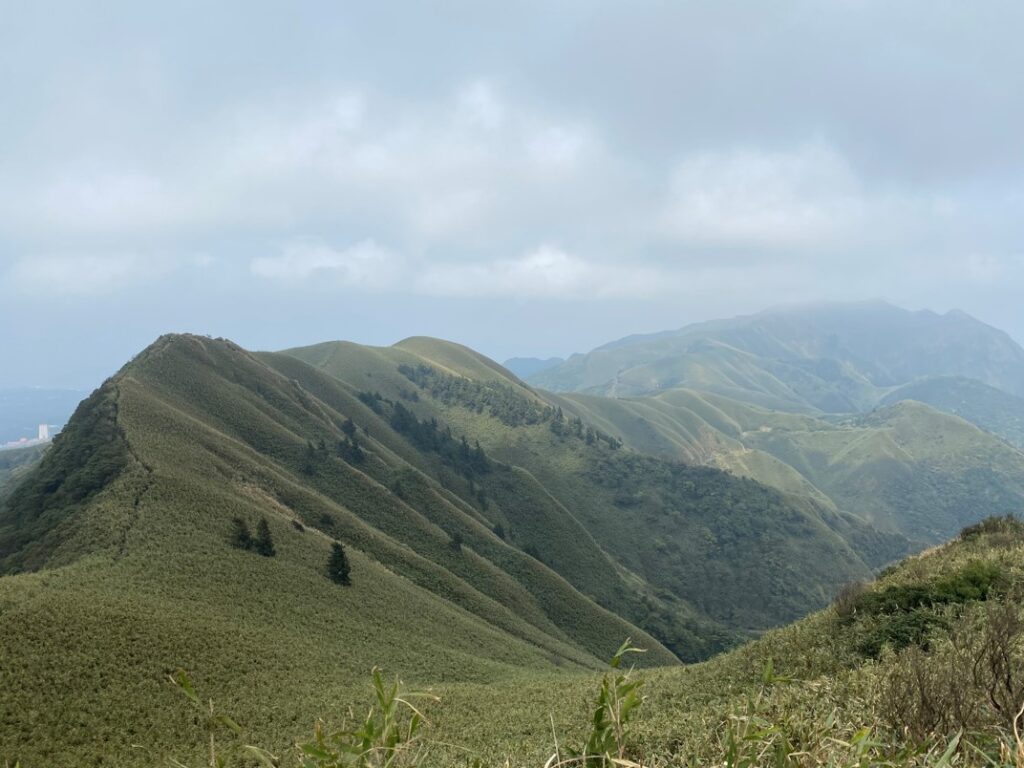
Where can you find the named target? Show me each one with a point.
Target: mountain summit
(835, 358)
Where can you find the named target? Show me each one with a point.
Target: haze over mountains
(836, 358)
(707, 485)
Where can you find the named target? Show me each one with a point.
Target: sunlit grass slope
(890, 675)
(907, 469)
(923, 667)
(699, 542)
(120, 567)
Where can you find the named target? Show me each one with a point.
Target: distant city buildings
(44, 437)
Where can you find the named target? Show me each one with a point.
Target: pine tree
(264, 543)
(240, 536)
(338, 568)
(349, 428)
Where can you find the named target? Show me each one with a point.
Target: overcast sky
(525, 178)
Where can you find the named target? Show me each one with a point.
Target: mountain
(489, 534)
(523, 367)
(834, 358)
(991, 409)
(907, 468)
(16, 462)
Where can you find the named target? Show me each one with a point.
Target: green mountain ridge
(991, 409)
(907, 468)
(494, 531)
(835, 358)
(467, 564)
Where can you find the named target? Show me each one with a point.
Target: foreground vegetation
(925, 667)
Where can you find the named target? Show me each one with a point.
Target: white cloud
(78, 275)
(479, 106)
(363, 265)
(118, 201)
(756, 198)
(288, 138)
(546, 272)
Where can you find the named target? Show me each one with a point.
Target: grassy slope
(989, 408)
(834, 689)
(908, 469)
(139, 578)
(812, 693)
(625, 502)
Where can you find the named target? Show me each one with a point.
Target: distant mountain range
(827, 359)
(689, 490)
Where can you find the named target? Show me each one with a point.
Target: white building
(44, 431)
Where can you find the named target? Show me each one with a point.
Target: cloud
(108, 200)
(758, 198)
(546, 272)
(77, 275)
(363, 265)
(466, 166)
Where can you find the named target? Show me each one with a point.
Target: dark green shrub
(264, 542)
(903, 615)
(338, 568)
(240, 535)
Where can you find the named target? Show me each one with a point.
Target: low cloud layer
(525, 179)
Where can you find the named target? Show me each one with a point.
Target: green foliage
(388, 737)
(140, 579)
(904, 614)
(241, 537)
(617, 702)
(1004, 531)
(208, 720)
(263, 543)
(83, 459)
(338, 568)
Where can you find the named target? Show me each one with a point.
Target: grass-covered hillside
(926, 660)
(832, 358)
(732, 550)
(922, 667)
(906, 468)
(190, 515)
(991, 409)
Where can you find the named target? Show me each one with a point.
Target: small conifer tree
(240, 535)
(338, 568)
(264, 543)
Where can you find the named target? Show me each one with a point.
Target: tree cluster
(262, 543)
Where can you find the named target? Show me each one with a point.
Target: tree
(240, 536)
(338, 568)
(349, 428)
(264, 543)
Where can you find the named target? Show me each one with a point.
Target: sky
(527, 178)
